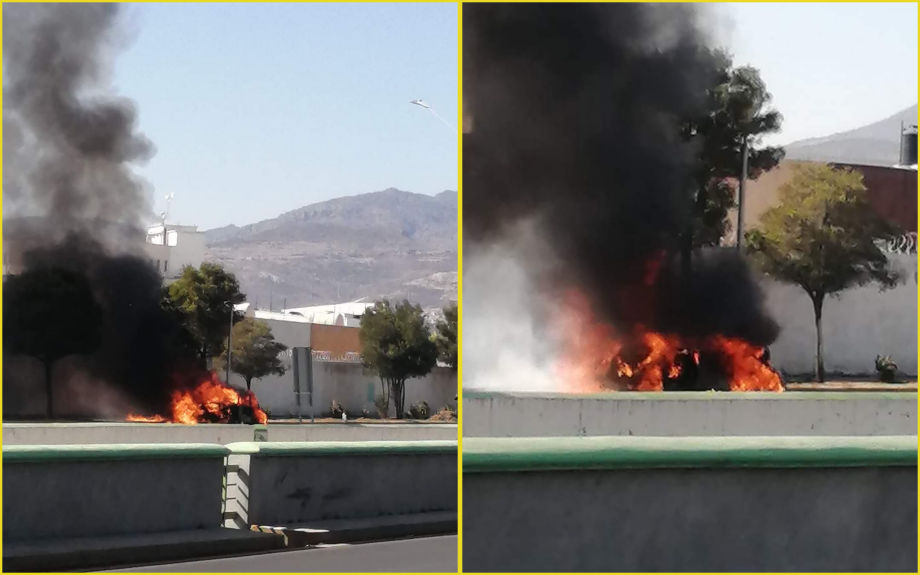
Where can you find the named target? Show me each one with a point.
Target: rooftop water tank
(909, 146)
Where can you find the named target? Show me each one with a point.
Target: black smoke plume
(76, 204)
(578, 120)
(76, 141)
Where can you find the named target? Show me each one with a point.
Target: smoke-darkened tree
(204, 299)
(254, 351)
(823, 236)
(397, 345)
(446, 336)
(48, 314)
(738, 109)
(144, 341)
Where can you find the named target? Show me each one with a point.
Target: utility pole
(741, 182)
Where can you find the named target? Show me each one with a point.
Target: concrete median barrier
(38, 433)
(77, 491)
(690, 504)
(80, 506)
(305, 485)
(689, 414)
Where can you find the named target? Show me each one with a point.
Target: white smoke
(506, 344)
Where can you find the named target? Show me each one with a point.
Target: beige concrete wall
(857, 325)
(349, 384)
(891, 193)
(759, 196)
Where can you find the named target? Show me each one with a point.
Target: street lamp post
(423, 104)
(229, 340)
(745, 125)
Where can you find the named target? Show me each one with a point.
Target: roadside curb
(86, 553)
(364, 529)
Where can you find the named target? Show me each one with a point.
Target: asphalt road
(425, 554)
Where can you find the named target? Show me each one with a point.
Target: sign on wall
(903, 244)
(328, 356)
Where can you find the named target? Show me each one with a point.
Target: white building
(332, 332)
(347, 314)
(330, 329)
(172, 247)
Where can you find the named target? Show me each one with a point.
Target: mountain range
(390, 243)
(398, 244)
(876, 144)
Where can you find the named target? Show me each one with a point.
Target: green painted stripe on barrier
(110, 452)
(332, 448)
(579, 453)
(699, 395)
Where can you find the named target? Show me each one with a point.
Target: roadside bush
(337, 409)
(445, 414)
(419, 410)
(887, 369)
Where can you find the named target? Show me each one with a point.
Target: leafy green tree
(50, 313)
(446, 336)
(204, 298)
(254, 351)
(396, 344)
(824, 237)
(737, 110)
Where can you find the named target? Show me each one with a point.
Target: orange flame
(141, 418)
(745, 366)
(595, 357)
(210, 401)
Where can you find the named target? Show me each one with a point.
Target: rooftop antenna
(165, 215)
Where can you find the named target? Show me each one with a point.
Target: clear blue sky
(830, 67)
(257, 109)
